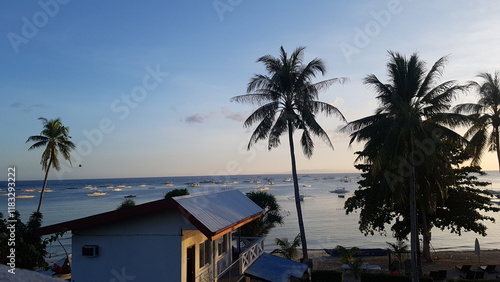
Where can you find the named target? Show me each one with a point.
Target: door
(190, 264)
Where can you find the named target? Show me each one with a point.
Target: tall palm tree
(287, 100)
(409, 124)
(485, 129)
(54, 137)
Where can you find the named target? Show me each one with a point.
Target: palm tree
(485, 129)
(409, 124)
(287, 100)
(54, 137)
(287, 250)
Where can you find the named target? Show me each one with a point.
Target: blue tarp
(272, 268)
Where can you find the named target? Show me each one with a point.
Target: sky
(145, 86)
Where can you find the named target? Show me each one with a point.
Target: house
(185, 238)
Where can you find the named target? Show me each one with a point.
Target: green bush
(327, 276)
(382, 277)
(176, 192)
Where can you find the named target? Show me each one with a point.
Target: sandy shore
(443, 260)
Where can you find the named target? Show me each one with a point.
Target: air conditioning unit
(90, 250)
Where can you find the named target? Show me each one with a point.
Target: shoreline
(443, 260)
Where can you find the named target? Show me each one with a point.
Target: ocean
(326, 223)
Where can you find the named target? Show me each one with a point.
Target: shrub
(176, 192)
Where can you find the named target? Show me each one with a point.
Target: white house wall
(143, 249)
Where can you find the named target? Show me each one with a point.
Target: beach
(443, 260)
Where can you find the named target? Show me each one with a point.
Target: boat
(306, 185)
(339, 190)
(195, 185)
(271, 183)
(29, 190)
(129, 196)
(24, 196)
(97, 194)
(264, 188)
(121, 186)
(169, 184)
(143, 185)
(341, 196)
(110, 187)
(117, 189)
(90, 188)
(287, 180)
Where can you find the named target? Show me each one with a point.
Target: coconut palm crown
(54, 137)
(287, 101)
(484, 131)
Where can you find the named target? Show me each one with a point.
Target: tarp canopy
(272, 268)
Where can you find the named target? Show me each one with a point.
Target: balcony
(247, 250)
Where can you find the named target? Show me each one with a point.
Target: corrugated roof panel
(276, 269)
(217, 211)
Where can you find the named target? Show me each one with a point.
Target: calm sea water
(326, 223)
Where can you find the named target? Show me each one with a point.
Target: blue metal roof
(276, 269)
(219, 211)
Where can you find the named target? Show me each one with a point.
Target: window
(204, 253)
(222, 245)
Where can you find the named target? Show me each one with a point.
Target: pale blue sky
(80, 60)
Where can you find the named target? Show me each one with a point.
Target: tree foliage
(29, 249)
(176, 192)
(269, 219)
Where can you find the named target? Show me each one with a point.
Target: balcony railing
(251, 254)
(251, 248)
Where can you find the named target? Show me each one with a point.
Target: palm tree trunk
(414, 227)
(426, 239)
(43, 187)
(297, 195)
(497, 144)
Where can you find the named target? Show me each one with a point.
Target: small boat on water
(287, 180)
(117, 189)
(129, 196)
(24, 196)
(306, 185)
(29, 190)
(90, 188)
(143, 185)
(97, 194)
(264, 189)
(339, 190)
(169, 184)
(195, 185)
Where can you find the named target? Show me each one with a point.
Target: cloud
(196, 118)
(27, 108)
(227, 113)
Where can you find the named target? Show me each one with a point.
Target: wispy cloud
(196, 118)
(27, 108)
(237, 116)
(225, 112)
